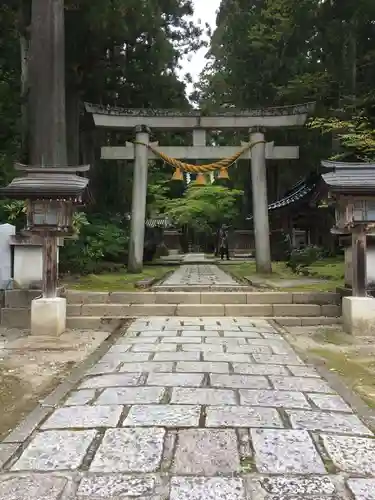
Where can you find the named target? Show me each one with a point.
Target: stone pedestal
(358, 314)
(28, 260)
(370, 261)
(6, 232)
(48, 316)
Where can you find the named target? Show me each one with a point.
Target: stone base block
(48, 316)
(358, 315)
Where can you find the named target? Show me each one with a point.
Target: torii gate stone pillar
(260, 204)
(140, 171)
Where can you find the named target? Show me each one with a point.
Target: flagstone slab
(285, 452)
(284, 486)
(355, 455)
(32, 487)
(130, 395)
(301, 384)
(84, 417)
(55, 450)
(280, 399)
(242, 416)
(163, 415)
(327, 422)
(112, 380)
(129, 450)
(116, 486)
(362, 489)
(175, 379)
(206, 452)
(203, 396)
(201, 488)
(239, 381)
(330, 402)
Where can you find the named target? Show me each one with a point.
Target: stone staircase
(104, 310)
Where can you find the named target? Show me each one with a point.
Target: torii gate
(255, 121)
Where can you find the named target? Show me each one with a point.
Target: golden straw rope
(188, 167)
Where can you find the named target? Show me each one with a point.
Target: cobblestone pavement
(197, 409)
(200, 275)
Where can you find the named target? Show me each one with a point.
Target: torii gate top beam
(118, 118)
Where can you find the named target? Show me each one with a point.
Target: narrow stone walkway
(199, 275)
(194, 257)
(196, 409)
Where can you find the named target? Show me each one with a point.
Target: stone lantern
(51, 195)
(351, 187)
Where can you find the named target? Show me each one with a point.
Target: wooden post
(49, 266)
(359, 261)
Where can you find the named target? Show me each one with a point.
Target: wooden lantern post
(359, 260)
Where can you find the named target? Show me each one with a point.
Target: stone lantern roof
(60, 183)
(350, 178)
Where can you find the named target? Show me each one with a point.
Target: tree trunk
(72, 122)
(24, 27)
(47, 84)
(352, 56)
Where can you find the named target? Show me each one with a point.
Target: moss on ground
(332, 336)
(331, 271)
(116, 281)
(357, 372)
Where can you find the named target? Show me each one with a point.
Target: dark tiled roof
(161, 223)
(350, 177)
(297, 193)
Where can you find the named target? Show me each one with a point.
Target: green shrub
(100, 245)
(299, 260)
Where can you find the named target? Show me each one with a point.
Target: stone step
(250, 310)
(106, 315)
(206, 297)
(108, 324)
(23, 298)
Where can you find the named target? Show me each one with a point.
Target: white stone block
(6, 231)
(28, 265)
(370, 266)
(48, 316)
(28, 260)
(358, 315)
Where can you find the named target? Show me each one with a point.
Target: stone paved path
(197, 409)
(199, 275)
(194, 257)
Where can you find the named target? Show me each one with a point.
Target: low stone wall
(206, 297)
(308, 308)
(16, 306)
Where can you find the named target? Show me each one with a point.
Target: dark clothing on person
(224, 251)
(223, 244)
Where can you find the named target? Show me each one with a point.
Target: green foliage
(300, 260)
(204, 208)
(356, 136)
(99, 243)
(282, 52)
(13, 212)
